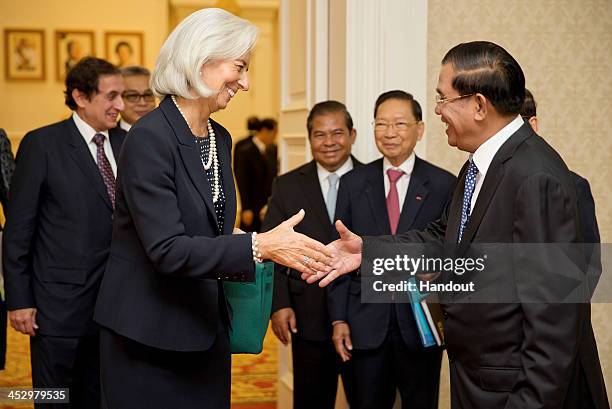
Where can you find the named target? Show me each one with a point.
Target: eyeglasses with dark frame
(399, 126)
(441, 100)
(131, 96)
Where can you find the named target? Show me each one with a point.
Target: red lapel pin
(419, 198)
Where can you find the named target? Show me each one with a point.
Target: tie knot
(332, 179)
(98, 139)
(394, 174)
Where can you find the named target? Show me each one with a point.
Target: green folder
(251, 304)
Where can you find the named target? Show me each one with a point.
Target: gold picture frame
(70, 47)
(124, 48)
(24, 54)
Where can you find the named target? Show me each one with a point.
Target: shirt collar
(323, 173)
(86, 131)
(260, 145)
(407, 166)
(486, 152)
(124, 125)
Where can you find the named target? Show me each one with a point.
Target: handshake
(315, 261)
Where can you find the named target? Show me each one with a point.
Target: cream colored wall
(565, 50)
(28, 105)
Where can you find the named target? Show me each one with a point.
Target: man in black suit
(299, 311)
(256, 166)
(382, 339)
(535, 352)
(7, 167)
(586, 203)
(58, 231)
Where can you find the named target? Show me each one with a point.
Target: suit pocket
(498, 379)
(296, 286)
(64, 275)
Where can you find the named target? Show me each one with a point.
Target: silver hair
(206, 35)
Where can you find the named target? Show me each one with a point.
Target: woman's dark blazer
(162, 284)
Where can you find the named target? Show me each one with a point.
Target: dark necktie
(393, 208)
(105, 167)
(468, 191)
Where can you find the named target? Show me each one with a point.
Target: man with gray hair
(138, 97)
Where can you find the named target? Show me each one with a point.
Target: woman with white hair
(164, 317)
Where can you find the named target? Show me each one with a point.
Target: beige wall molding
(386, 48)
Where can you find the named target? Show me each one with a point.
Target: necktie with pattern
(468, 191)
(105, 167)
(332, 195)
(393, 208)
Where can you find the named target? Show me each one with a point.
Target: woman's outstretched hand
(285, 246)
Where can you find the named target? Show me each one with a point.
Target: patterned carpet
(253, 376)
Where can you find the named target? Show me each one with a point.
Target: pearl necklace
(212, 152)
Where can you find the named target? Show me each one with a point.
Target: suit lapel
(495, 173)
(117, 136)
(189, 153)
(415, 196)
(489, 186)
(228, 179)
(82, 156)
(375, 191)
(309, 181)
(256, 152)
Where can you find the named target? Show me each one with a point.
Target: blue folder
(427, 337)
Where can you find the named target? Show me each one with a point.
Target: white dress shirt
(402, 183)
(260, 145)
(324, 174)
(485, 153)
(88, 133)
(124, 125)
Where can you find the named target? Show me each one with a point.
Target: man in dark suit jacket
(586, 203)
(385, 347)
(256, 166)
(58, 231)
(7, 167)
(535, 352)
(299, 311)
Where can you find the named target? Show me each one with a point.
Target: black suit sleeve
(147, 172)
(22, 219)
(590, 231)
(545, 213)
(338, 290)
(277, 214)
(586, 205)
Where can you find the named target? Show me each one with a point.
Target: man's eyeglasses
(135, 96)
(400, 126)
(441, 100)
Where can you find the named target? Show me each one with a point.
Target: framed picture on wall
(24, 54)
(124, 48)
(70, 47)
